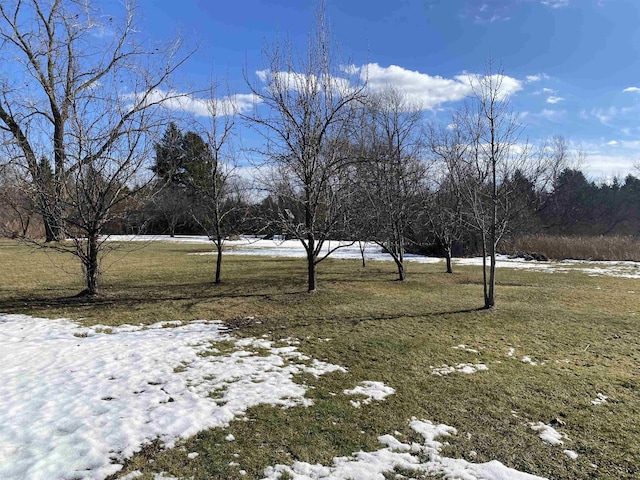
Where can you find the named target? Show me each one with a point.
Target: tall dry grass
(613, 248)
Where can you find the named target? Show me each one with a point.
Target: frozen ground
(76, 401)
(293, 248)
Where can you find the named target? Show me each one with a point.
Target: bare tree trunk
(49, 235)
(484, 271)
(447, 256)
(219, 259)
(401, 273)
(91, 265)
(311, 264)
(490, 301)
(362, 246)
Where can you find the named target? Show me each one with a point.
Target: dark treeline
(571, 206)
(577, 206)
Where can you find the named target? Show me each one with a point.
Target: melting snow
(73, 401)
(293, 248)
(601, 398)
(548, 434)
(422, 458)
(371, 390)
(571, 454)
(467, 368)
(465, 348)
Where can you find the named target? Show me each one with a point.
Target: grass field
(581, 334)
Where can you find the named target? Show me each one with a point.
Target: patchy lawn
(558, 359)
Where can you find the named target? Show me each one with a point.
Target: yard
(166, 375)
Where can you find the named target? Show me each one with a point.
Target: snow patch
(371, 390)
(465, 348)
(600, 399)
(351, 250)
(75, 402)
(571, 454)
(423, 459)
(467, 368)
(548, 434)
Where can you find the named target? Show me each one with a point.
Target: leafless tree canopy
(389, 172)
(77, 106)
(306, 107)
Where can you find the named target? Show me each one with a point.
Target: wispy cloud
(631, 90)
(554, 99)
(607, 115)
(487, 11)
(552, 115)
(537, 77)
(202, 107)
(555, 3)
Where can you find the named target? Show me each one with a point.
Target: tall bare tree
(493, 154)
(219, 205)
(496, 170)
(306, 106)
(80, 89)
(390, 171)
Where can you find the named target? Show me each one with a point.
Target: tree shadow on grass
(133, 296)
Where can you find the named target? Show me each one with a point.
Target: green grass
(583, 331)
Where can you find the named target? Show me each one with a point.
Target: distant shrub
(613, 248)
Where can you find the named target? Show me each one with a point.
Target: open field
(558, 343)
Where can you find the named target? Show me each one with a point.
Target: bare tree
(493, 153)
(306, 105)
(390, 172)
(443, 205)
(219, 203)
(83, 92)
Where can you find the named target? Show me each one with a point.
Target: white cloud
(552, 115)
(537, 77)
(601, 166)
(202, 107)
(427, 90)
(612, 143)
(487, 12)
(555, 3)
(631, 90)
(606, 115)
(302, 82)
(553, 99)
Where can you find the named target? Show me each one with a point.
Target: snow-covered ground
(76, 401)
(293, 248)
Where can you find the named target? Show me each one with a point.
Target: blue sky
(573, 65)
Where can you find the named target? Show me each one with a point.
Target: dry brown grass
(578, 248)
